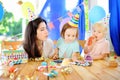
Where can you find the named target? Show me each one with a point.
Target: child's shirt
(102, 46)
(66, 49)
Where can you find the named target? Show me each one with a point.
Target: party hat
(74, 20)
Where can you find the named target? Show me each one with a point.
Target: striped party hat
(74, 21)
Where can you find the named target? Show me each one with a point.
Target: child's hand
(75, 56)
(90, 44)
(55, 57)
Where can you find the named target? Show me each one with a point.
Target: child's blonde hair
(101, 26)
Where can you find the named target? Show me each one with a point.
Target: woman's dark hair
(29, 43)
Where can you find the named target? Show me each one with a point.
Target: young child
(97, 45)
(67, 45)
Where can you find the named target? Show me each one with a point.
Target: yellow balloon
(27, 8)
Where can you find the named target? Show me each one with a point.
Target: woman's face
(70, 35)
(42, 32)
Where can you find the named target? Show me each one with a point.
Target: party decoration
(31, 15)
(60, 19)
(96, 14)
(42, 67)
(20, 2)
(39, 59)
(53, 64)
(52, 73)
(83, 63)
(66, 17)
(44, 63)
(74, 21)
(28, 10)
(105, 20)
(66, 70)
(1, 12)
(51, 25)
(78, 8)
(88, 58)
(70, 14)
(65, 20)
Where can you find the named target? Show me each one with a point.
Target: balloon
(96, 14)
(1, 12)
(27, 8)
(63, 22)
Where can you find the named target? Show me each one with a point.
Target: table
(98, 71)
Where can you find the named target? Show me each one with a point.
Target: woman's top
(48, 48)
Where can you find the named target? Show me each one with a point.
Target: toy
(42, 67)
(58, 61)
(66, 70)
(83, 63)
(66, 66)
(90, 40)
(52, 74)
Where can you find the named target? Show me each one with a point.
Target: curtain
(56, 10)
(81, 24)
(114, 9)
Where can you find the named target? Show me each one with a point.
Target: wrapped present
(13, 53)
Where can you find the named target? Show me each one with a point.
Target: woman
(36, 43)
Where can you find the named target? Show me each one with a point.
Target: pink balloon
(65, 20)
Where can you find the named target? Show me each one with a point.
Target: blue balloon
(96, 14)
(1, 12)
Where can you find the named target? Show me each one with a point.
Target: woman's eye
(42, 30)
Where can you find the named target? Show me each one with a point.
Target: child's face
(70, 35)
(99, 32)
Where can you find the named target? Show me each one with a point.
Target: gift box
(13, 53)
